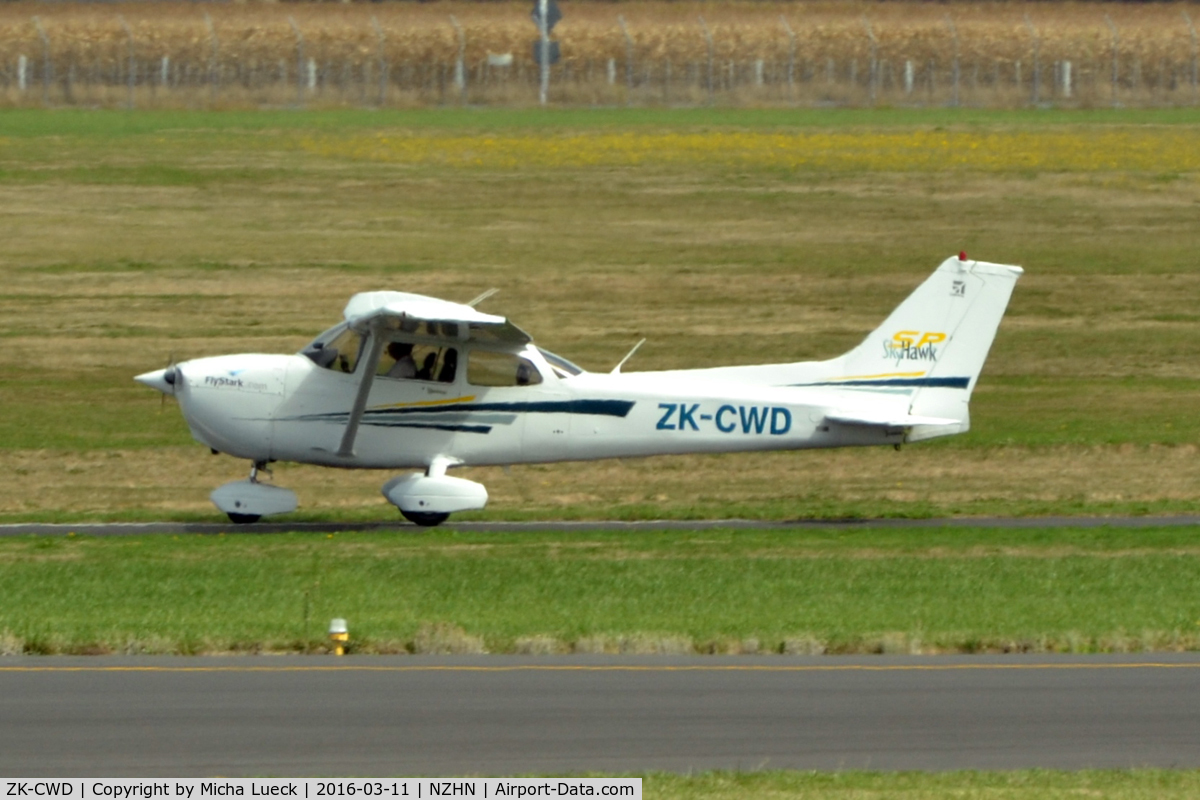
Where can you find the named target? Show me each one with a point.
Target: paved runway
(315, 716)
(141, 528)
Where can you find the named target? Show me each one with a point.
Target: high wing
(381, 315)
(418, 314)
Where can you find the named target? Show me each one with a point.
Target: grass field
(1125, 785)
(756, 592)
(722, 236)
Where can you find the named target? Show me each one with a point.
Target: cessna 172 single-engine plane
(409, 381)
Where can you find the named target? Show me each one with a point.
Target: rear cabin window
(564, 368)
(489, 368)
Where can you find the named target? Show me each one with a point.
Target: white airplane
(409, 381)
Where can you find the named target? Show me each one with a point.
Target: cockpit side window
(337, 349)
(490, 368)
(422, 362)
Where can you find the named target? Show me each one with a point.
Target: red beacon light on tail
(962, 255)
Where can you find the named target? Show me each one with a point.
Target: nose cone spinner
(162, 379)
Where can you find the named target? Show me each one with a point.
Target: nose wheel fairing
(248, 500)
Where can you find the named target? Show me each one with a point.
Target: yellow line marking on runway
(606, 668)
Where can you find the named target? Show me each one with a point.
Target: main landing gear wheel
(425, 519)
(244, 519)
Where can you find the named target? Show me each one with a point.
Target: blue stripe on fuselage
(886, 383)
(394, 417)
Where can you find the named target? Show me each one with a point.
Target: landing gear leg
(247, 519)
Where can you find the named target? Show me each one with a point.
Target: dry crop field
(133, 239)
(645, 53)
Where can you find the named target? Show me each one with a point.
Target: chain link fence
(395, 56)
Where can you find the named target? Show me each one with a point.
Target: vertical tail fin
(935, 342)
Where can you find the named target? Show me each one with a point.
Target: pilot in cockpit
(405, 366)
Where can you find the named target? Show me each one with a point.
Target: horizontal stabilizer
(888, 420)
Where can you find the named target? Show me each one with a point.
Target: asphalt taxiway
(142, 528)
(492, 715)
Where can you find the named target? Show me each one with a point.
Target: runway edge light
(339, 634)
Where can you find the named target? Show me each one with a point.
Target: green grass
(921, 590)
(118, 124)
(1014, 785)
(133, 238)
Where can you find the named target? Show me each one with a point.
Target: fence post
(1116, 42)
(1037, 66)
(909, 74)
(791, 70)
(22, 72)
(45, 61)
(628, 59)
(165, 72)
(543, 14)
(709, 39)
(1066, 79)
(460, 67)
(132, 78)
(383, 65)
(1192, 30)
(874, 66)
(214, 58)
(955, 69)
(299, 61)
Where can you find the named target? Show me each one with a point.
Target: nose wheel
(249, 501)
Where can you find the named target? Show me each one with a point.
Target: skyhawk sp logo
(912, 346)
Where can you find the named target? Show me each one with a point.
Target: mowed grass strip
(173, 482)
(1014, 785)
(779, 591)
(1136, 784)
(135, 239)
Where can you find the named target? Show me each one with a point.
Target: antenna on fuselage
(617, 369)
(482, 297)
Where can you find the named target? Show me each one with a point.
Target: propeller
(170, 376)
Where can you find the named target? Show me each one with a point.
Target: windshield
(337, 349)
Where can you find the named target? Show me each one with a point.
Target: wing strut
(346, 449)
